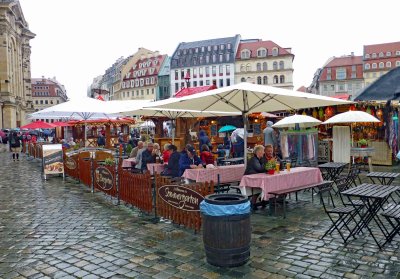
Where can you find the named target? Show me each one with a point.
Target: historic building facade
(264, 62)
(15, 66)
(379, 59)
(164, 88)
(342, 76)
(47, 92)
(204, 63)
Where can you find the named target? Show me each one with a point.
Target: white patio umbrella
(304, 121)
(352, 116)
(245, 98)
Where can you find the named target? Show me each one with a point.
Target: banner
(52, 159)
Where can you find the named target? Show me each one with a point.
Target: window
(373, 55)
(201, 71)
(275, 79)
(195, 83)
(201, 59)
(142, 92)
(227, 57)
(182, 85)
(228, 69)
(137, 91)
(281, 65)
(214, 58)
(262, 52)
(214, 71)
(203, 49)
(341, 73)
(258, 67)
(388, 54)
(325, 87)
(248, 68)
(207, 82)
(182, 74)
(380, 54)
(258, 80)
(265, 66)
(228, 82)
(353, 75)
(229, 46)
(275, 65)
(332, 87)
(207, 71)
(341, 87)
(353, 68)
(350, 87)
(242, 79)
(123, 94)
(196, 50)
(37, 102)
(242, 68)
(265, 80)
(58, 101)
(282, 79)
(374, 65)
(388, 64)
(221, 83)
(374, 75)
(127, 94)
(367, 56)
(215, 47)
(397, 52)
(381, 65)
(222, 47)
(41, 102)
(275, 51)
(397, 63)
(194, 72)
(209, 48)
(367, 66)
(221, 70)
(221, 57)
(201, 83)
(207, 58)
(245, 54)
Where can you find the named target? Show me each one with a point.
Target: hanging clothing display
(341, 144)
(302, 144)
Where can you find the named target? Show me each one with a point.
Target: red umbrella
(61, 124)
(37, 125)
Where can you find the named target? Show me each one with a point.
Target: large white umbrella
(304, 121)
(246, 98)
(352, 116)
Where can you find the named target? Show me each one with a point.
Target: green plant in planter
(270, 165)
(128, 149)
(363, 142)
(109, 162)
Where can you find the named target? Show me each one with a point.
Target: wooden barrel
(227, 238)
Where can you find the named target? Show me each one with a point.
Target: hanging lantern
(379, 113)
(352, 107)
(328, 112)
(315, 113)
(321, 114)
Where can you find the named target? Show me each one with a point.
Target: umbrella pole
(85, 137)
(245, 139)
(173, 130)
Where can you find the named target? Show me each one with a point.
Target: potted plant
(363, 143)
(128, 149)
(270, 166)
(109, 162)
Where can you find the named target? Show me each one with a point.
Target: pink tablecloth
(284, 180)
(158, 168)
(226, 174)
(127, 163)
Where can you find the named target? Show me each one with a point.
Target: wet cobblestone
(59, 229)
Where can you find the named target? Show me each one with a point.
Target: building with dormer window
(203, 63)
(264, 62)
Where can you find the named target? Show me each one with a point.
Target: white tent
(304, 121)
(246, 98)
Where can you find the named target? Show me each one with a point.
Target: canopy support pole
(244, 116)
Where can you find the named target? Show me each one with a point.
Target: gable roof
(348, 60)
(386, 87)
(254, 46)
(193, 90)
(369, 49)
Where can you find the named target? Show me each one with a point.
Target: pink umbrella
(38, 125)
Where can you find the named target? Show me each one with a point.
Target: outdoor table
(296, 177)
(226, 174)
(332, 169)
(233, 161)
(155, 168)
(128, 163)
(363, 152)
(373, 197)
(385, 178)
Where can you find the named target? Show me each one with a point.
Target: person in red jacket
(206, 156)
(166, 153)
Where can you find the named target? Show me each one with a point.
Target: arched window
(276, 79)
(265, 80)
(381, 65)
(367, 56)
(282, 79)
(275, 51)
(242, 79)
(388, 54)
(374, 55)
(275, 65)
(380, 54)
(281, 65)
(265, 66)
(248, 68)
(258, 67)
(245, 54)
(367, 66)
(388, 64)
(261, 52)
(242, 68)
(258, 80)
(397, 63)
(374, 65)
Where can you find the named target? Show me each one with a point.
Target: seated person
(269, 155)
(221, 153)
(172, 169)
(166, 153)
(256, 163)
(148, 156)
(189, 160)
(206, 156)
(136, 149)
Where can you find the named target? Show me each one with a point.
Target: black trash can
(226, 229)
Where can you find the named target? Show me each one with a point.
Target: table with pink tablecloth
(155, 167)
(226, 174)
(127, 163)
(300, 176)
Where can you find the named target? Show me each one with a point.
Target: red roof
(254, 46)
(302, 89)
(392, 47)
(117, 121)
(345, 61)
(342, 96)
(193, 90)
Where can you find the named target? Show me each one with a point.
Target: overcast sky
(77, 40)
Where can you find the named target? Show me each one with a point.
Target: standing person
(269, 135)
(204, 139)
(101, 140)
(15, 145)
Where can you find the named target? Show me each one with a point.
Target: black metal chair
(345, 214)
(392, 215)
(350, 179)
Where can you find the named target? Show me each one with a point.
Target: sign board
(256, 129)
(52, 159)
(104, 178)
(181, 197)
(70, 163)
(213, 130)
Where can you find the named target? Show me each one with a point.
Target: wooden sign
(181, 197)
(104, 178)
(52, 159)
(70, 163)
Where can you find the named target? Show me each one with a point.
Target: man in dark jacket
(172, 168)
(148, 156)
(189, 160)
(256, 163)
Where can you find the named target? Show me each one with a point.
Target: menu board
(213, 130)
(52, 159)
(256, 129)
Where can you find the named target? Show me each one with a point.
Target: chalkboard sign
(213, 130)
(256, 129)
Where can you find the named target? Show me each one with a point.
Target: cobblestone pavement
(59, 229)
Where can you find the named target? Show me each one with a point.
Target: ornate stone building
(15, 66)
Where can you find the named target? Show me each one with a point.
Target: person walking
(15, 145)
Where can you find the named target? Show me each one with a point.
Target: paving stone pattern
(59, 229)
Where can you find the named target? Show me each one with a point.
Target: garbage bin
(226, 229)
